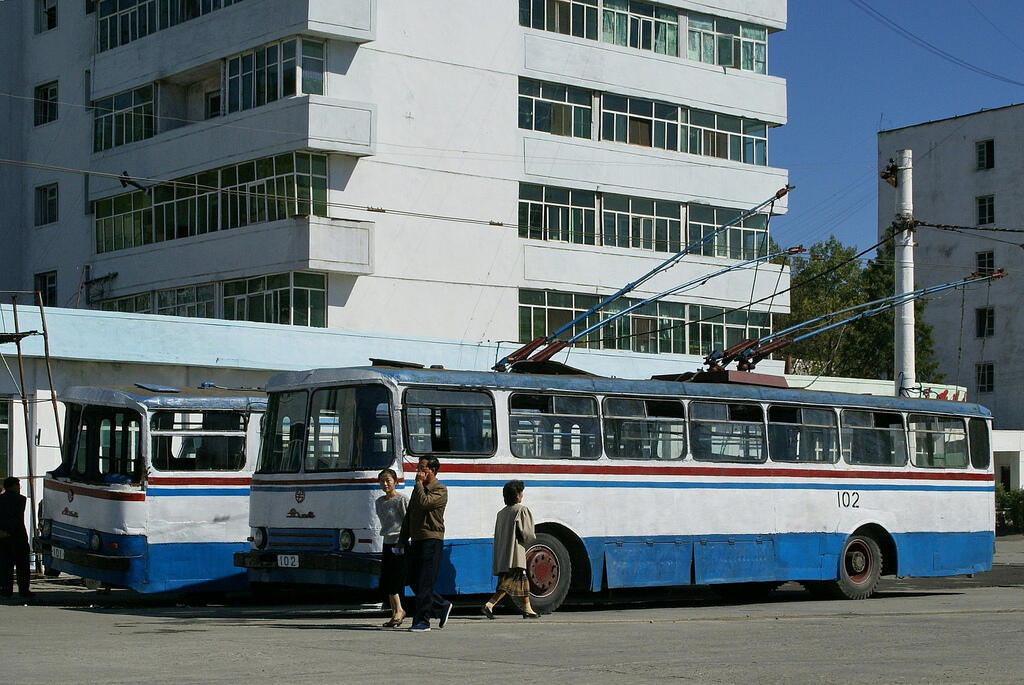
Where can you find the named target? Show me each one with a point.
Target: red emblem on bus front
(299, 496)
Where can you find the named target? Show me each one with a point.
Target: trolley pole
(904, 369)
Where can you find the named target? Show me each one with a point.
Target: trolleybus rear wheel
(549, 570)
(860, 566)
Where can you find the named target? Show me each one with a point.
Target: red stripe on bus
(116, 495)
(743, 471)
(192, 480)
(310, 481)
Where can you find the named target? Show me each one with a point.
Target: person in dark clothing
(14, 550)
(424, 524)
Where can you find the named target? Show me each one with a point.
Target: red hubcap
(857, 561)
(542, 570)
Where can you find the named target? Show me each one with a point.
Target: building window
(191, 300)
(547, 213)
(747, 239)
(141, 304)
(984, 322)
(986, 152)
(985, 263)
(267, 189)
(986, 377)
(46, 15)
(123, 118)
(569, 17)
(45, 109)
(670, 127)
(641, 223)
(297, 298)
(271, 72)
(46, 286)
(46, 204)
(640, 25)
(727, 43)
(121, 21)
(986, 209)
(659, 327)
(213, 104)
(552, 108)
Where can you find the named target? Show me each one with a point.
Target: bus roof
(137, 397)
(295, 380)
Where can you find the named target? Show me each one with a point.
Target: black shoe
(528, 615)
(445, 613)
(487, 612)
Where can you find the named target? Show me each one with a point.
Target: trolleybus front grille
(308, 539)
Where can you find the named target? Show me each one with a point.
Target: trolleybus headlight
(259, 538)
(346, 540)
(46, 528)
(95, 542)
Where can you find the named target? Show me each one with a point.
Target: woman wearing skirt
(513, 534)
(391, 508)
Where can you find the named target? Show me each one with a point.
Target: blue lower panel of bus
(624, 562)
(126, 561)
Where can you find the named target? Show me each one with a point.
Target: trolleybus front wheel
(859, 569)
(549, 569)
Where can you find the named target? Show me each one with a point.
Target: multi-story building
(966, 178)
(470, 170)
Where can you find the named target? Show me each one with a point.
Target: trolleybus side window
(107, 446)
(283, 433)
(980, 451)
(452, 422)
(198, 440)
(350, 429)
(554, 426)
(937, 441)
(722, 431)
(644, 428)
(874, 438)
(803, 434)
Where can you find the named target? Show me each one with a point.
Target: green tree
(863, 349)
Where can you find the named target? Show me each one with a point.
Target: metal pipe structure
(904, 344)
(553, 349)
(529, 347)
(773, 342)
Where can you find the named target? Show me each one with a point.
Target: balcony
(339, 246)
(635, 170)
(306, 122)
(226, 32)
(625, 71)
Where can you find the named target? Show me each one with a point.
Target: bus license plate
(288, 560)
(56, 552)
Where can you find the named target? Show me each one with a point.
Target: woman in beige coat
(513, 533)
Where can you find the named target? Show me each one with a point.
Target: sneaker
(445, 613)
(419, 628)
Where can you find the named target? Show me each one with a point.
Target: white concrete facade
(417, 117)
(950, 182)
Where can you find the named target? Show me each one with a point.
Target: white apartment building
(473, 170)
(966, 173)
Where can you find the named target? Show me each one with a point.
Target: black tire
(745, 592)
(549, 570)
(860, 566)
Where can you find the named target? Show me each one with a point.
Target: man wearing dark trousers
(14, 550)
(424, 524)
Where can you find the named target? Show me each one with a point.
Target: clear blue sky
(850, 76)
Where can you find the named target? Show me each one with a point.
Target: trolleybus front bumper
(341, 568)
(81, 557)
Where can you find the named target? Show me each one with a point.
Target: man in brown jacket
(424, 524)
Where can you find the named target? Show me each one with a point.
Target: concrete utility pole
(904, 369)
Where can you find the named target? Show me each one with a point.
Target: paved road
(960, 630)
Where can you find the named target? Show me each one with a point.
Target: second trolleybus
(632, 483)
